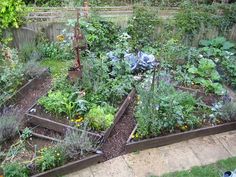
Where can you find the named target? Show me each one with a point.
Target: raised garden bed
(31, 84)
(72, 166)
(61, 127)
(83, 162)
(132, 145)
(208, 98)
(37, 142)
(206, 107)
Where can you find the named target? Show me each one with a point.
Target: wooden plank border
(72, 166)
(120, 113)
(177, 137)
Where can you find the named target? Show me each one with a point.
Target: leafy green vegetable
(100, 118)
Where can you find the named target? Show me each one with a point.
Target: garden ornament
(230, 174)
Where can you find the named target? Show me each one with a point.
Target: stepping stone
(228, 140)
(208, 149)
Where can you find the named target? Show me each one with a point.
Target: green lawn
(57, 67)
(213, 170)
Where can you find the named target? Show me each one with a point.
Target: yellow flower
(133, 136)
(79, 120)
(60, 38)
(58, 154)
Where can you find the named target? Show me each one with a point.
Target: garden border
(19, 94)
(177, 137)
(60, 127)
(72, 166)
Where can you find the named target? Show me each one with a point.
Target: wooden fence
(53, 21)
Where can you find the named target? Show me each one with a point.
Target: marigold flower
(60, 38)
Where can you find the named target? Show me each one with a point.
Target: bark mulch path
(114, 146)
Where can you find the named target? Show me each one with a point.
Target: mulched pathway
(114, 146)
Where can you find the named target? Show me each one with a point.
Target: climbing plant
(11, 15)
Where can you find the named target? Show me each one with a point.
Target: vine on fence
(11, 15)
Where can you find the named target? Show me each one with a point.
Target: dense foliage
(193, 20)
(11, 15)
(13, 72)
(170, 3)
(223, 53)
(163, 109)
(143, 27)
(100, 34)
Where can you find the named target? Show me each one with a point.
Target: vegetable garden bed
(30, 84)
(169, 114)
(72, 166)
(30, 143)
(60, 127)
(132, 145)
(77, 164)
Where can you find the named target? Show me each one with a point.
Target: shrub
(228, 111)
(100, 34)
(11, 73)
(76, 143)
(11, 15)
(16, 170)
(142, 27)
(9, 124)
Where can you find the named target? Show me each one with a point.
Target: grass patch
(57, 67)
(213, 170)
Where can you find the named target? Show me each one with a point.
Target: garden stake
(86, 9)
(76, 72)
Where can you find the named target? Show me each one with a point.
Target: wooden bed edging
(61, 128)
(72, 166)
(31, 84)
(52, 125)
(119, 114)
(175, 138)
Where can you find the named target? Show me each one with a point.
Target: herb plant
(9, 125)
(16, 169)
(50, 158)
(76, 143)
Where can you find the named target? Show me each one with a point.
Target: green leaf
(227, 45)
(193, 70)
(204, 43)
